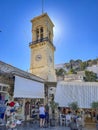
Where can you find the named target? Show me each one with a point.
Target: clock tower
(42, 48)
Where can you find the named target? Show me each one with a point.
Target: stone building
(42, 48)
(42, 53)
(21, 86)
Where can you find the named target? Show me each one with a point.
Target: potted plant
(54, 107)
(74, 106)
(94, 105)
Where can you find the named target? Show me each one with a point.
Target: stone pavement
(31, 126)
(49, 128)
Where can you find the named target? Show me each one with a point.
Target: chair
(62, 119)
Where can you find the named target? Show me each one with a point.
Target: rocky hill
(72, 70)
(77, 65)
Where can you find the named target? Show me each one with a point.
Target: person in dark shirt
(46, 118)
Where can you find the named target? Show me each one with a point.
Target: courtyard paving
(31, 126)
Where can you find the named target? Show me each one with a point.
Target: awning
(84, 93)
(26, 88)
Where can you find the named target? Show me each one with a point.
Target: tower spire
(42, 6)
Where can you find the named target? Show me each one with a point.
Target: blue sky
(75, 31)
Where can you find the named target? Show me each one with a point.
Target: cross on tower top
(42, 6)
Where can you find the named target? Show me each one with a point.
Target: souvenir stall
(4, 97)
(28, 94)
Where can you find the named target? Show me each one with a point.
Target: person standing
(46, 115)
(96, 120)
(68, 118)
(7, 112)
(2, 109)
(42, 115)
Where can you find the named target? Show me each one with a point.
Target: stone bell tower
(42, 48)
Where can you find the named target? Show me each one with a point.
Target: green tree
(53, 105)
(94, 105)
(72, 71)
(90, 76)
(83, 65)
(60, 72)
(73, 106)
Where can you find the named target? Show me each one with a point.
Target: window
(50, 36)
(41, 33)
(41, 30)
(3, 88)
(37, 34)
(41, 37)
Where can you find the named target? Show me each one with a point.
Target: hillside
(87, 70)
(77, 65)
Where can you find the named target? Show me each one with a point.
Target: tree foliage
(83, 65)
(72, 71)
(94, 105)
(77, 65)
(73, 106)
(60, 72)
(90, 76)
(54, 105)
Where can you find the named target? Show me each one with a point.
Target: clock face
(38, 57)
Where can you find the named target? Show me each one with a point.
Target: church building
(42, 48)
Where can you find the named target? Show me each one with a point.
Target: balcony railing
(41, 40)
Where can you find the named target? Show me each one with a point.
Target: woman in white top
(68, 118)
(42, 115)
